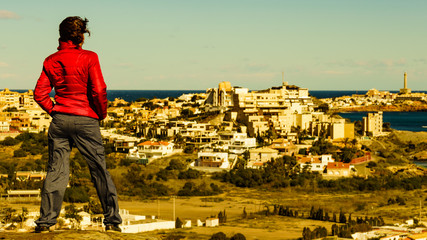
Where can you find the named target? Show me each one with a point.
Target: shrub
(9, 141)
(19, 153)
(238, 236)
(176, 164)
(189, 174)
(126, 162)
(218, 236)
(76, 195)
(178, 223)
(189, 149)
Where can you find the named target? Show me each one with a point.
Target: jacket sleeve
(42, 90)
(98, 89)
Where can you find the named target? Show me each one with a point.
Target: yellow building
(373, 124)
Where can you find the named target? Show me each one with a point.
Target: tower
(405, 80)
(405, 89)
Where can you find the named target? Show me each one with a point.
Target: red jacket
(76, 76)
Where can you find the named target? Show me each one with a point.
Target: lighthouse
(405, 89)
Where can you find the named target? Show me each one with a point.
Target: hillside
(72, 234)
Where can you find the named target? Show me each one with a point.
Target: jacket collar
(67, 45)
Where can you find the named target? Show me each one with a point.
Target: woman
(80, 102)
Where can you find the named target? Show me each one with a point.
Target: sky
(196, 44)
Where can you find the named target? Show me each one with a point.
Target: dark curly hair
(72, 29)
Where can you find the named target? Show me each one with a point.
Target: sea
(407, 121)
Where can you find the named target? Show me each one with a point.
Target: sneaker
(41, 229)
(113, 228)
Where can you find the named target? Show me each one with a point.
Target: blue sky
(195, 44)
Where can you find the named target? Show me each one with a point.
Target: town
(225, 128)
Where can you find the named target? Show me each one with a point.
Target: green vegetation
(285, 172)
(222, 236)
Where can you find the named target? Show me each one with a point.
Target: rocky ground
(71, 234)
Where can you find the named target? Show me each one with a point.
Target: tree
(245, 214)
(334, 230)
(218, 236)
(238, 236)
(94, 206)
(19, 153)
(8, 214)
(176, 164)
(306, 233)
(76, 194)
(189, 174)
(342, 218)
(178, 223)
(179, 141)
(20, 217)
(186, 112)
(9, 141)
(222, 217)
(71, 212)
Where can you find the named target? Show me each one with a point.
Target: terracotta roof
(258, 164)
(312, 159)
(150, 143)
(338, 165)
(263, 150)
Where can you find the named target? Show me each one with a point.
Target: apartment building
(18, 100)
(332, 127)
(373, 124)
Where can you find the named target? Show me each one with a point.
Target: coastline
(391, 108)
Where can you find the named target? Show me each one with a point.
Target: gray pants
(65, 130)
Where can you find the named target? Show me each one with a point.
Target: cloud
(4, 14)
(333, 72)
(391, 62)
(3, 64)
(377, 63)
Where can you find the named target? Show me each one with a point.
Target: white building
(212, 222)
(259, 156)
(240, 142)
(155, 149)
(212, 159)
(315, 163)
